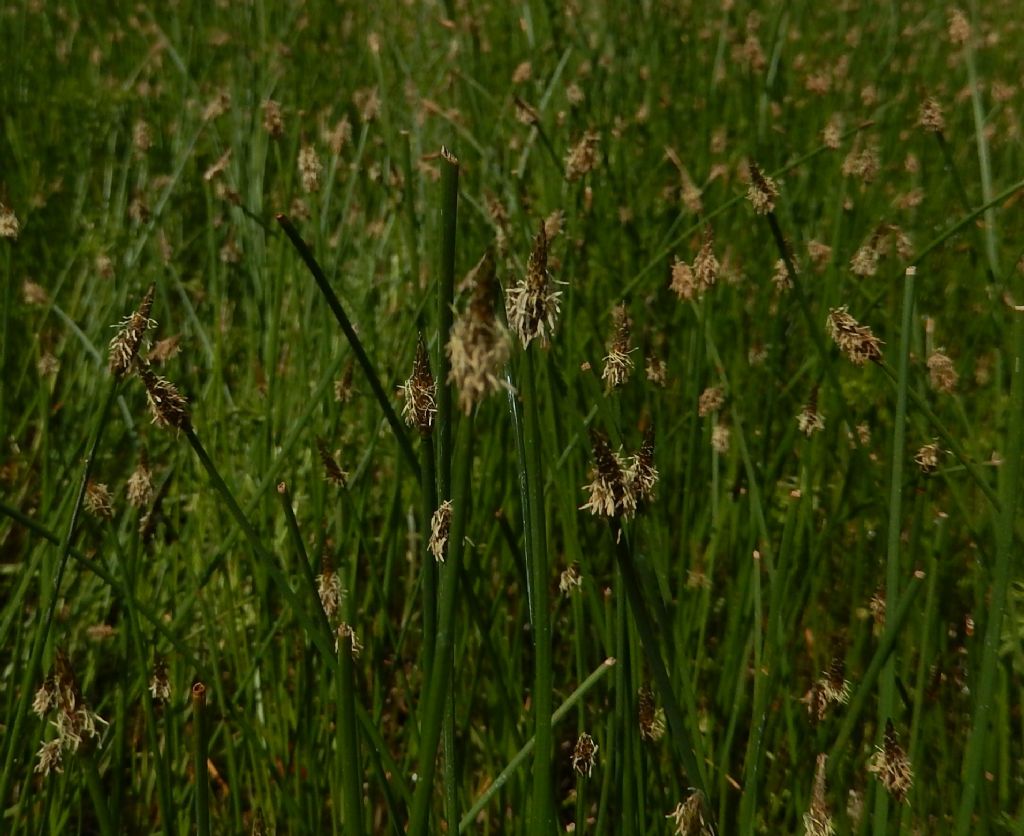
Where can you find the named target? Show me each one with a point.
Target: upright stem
(200, 750)
(543, 814)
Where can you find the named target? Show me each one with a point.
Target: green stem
(348, 740)
(887, 685)
(543, 814)
(200, 735)
(440, 676)
(369, 371)
(98, 795)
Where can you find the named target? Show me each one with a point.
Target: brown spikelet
(419, 391)
(124, 347)
(168, 406)
(762, 192)
(856, 341)
(611, 493)
(332, 472)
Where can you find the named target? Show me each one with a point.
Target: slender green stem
(543, 814)
(348, 740)
(200, 749)
(440, 676)
(520, 757)
(887, 683)
(429, 499)
(369, 371)
(94, 785)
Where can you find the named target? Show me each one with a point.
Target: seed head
(720, 437)
(570, 579)
(641, 474)
(440, 526)
(9, 226)
(927, 458)
(98, 500)
(419, 391)
(310, 168)
(930, 116)
(711, 400)
(941, 372)
(959, 28)
(273, 121)
(856, 341)
(347, 635)
(332, 471)
(582, 158)
(611, 493)
(584, 755)
(651, 718)
(688, 817)
(818, 819)
(159, 682)
(166, 403)
(329, 588)
(478, 347)
(531, 305)
(762, 192)
(140, 483)
(124, 347)
(618, 365)
(891, 765)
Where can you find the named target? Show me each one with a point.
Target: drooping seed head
(167, 405)
(124, 347)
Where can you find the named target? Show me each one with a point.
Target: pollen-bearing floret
(419, 391)
(618, 365)
(168, 406)
(891, 765)
(856, 341)
(478, 347)
(762, 192)
(124, 347)
(611, 490)
(440, 526)
(532, 306)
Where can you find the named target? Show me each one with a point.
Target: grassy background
(835, 523)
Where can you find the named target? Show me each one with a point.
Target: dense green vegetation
(732, 543)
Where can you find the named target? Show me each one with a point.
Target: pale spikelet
(124, 347)
(34, 294)
(98, 500)
(479, 345)
(809, 421)
(46, 698)
(167, 405)
(705, 266)
(820, 254)
(531, 305)
(9, 226)
(160, 682)
(641, 474)
(75, 722)
(762, 192)
(930, 116)
(339, 136)
(832, 133)
(865, 260)
(650, 716)
(656, 370)
(419, 392)
(818, 818)
(273, 120)
(440, 526)
(863, 164)
(142, 137)
(688, 817)
(522, 73)
(684, 283)
(618, 365)
(140, 484)
(721, 435)
(959, 28)
(346, 635)
(310, 168)
(570, 579)
(941, 372)
(582, 158)
(856, 341)
(584, 755)
(332, 471)
(834, 685)
(927, 458)
(780, 276)
(711, 401)
(610, 492)
(891, 765)
(329, 588)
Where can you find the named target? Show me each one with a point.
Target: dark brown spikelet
(419, 391)
(611, 493)
(332, 472)
(124, 348)
(643, 475)
(650, 717)
(168, 405)
(762, 192)
(892, 766)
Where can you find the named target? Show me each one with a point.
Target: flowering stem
(441, 674)
(429, 498)
(200, 735)
(353, 339)
(543, 816)
(887, 686)
(348, 740)
(98, 795)
(15, 735)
